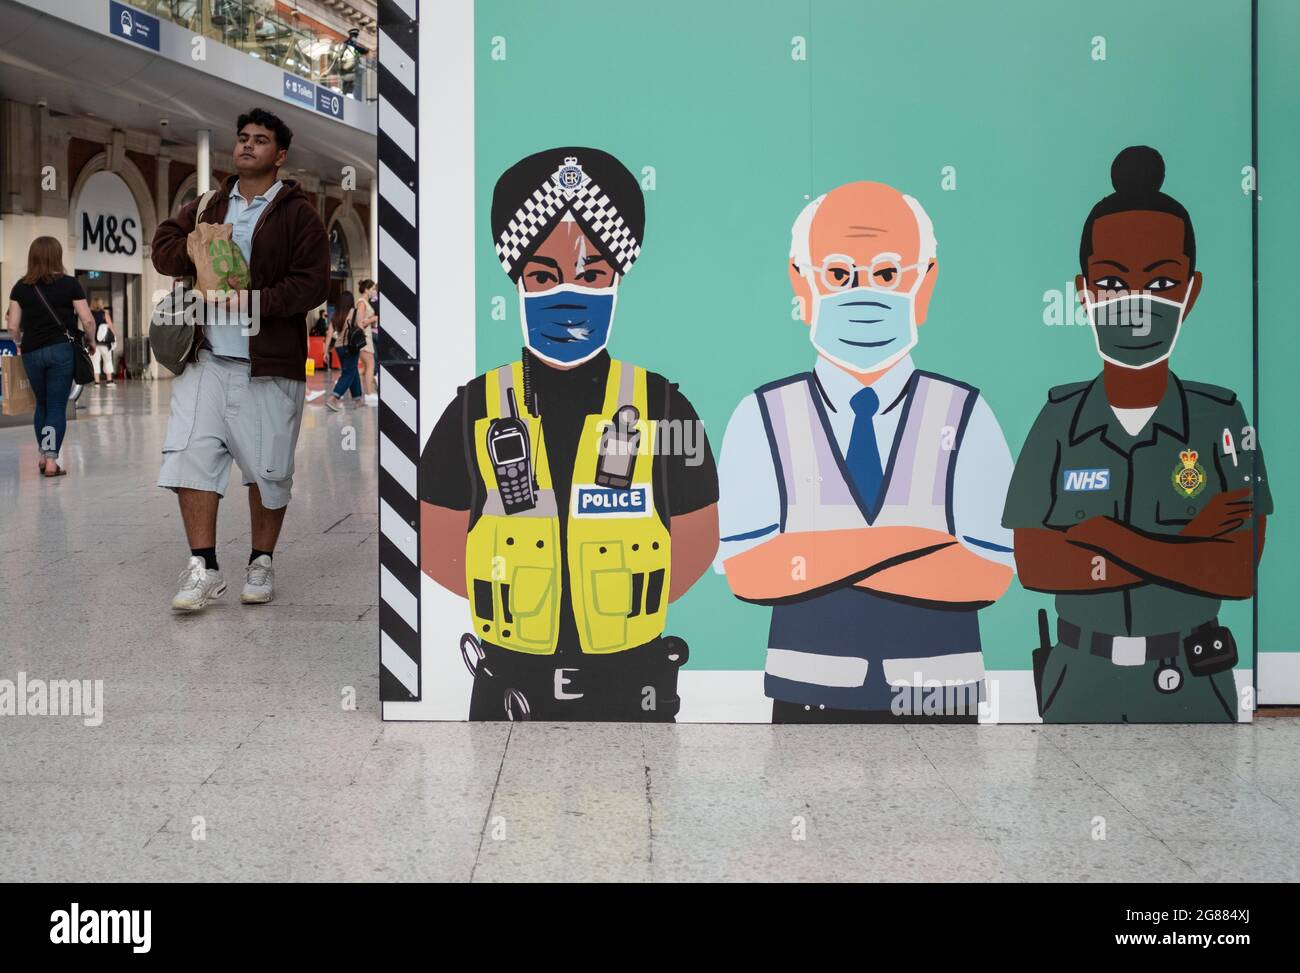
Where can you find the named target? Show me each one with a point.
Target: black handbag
(83, 372)
(355, 339)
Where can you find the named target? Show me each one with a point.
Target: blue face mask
(864, 329)
(567, 325)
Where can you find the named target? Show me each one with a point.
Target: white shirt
(749, 507)
(243, 215)
(1133, 420)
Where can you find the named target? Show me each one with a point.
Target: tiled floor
(226, 751)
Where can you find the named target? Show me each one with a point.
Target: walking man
(241, 394)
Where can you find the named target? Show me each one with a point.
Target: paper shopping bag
(16, 395)
(219, 264)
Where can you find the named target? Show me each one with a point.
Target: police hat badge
(569, 178)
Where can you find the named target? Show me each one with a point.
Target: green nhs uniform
(1079, 462)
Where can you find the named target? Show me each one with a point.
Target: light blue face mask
(567, 325)
(864, 329)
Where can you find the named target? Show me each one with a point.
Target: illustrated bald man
(863, 500)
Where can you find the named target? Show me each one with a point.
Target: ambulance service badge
(1189, 475)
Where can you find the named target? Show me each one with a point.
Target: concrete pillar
(374, 228)
(162, 187)
(33, 200)
(203, 161)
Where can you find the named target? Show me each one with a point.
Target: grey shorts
(218, 414)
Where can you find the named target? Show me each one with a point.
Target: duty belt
(1124, 650)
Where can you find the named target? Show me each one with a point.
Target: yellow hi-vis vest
(618, 549)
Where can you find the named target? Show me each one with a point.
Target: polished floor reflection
(227, 751)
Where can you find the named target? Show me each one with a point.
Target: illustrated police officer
(1139, 498)
(551, 496)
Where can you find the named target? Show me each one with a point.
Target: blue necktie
(863, 458)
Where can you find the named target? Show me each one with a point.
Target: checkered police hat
(535, 193)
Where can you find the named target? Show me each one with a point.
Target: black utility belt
(659, 657)
(1208, 649)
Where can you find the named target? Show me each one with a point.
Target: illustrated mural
(862, 499)
(727, 409)
(564, 513)
(1139, 499)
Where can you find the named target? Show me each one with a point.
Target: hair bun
(1137, 170)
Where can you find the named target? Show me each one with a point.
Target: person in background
(105, 336)
(366, 320)
(321, 329)
(345, 319)
(47, 313)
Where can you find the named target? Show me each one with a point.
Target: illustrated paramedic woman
(1135, 493)
(543, 497)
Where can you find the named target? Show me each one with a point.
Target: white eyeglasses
(838, 272)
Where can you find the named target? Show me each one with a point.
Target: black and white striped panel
(397, 351)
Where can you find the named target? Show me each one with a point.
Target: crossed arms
(912, 562)
(1211, 556)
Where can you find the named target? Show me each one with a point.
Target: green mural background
(740, 134)
(1279, 340)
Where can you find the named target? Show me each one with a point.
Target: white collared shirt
(230, 340)
(749, 506)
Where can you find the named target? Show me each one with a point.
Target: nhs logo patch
(590, 500)
(1076, 480)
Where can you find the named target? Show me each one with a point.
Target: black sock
(209, 555)
(256, 554)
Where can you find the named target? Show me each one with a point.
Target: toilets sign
(324, 100)
(299, 90)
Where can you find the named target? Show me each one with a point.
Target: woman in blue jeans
(349, 379)
(45, 307)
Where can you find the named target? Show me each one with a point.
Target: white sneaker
(197, 587)
(313, 396)
(259, 582)
(332, 405)
(372, 398)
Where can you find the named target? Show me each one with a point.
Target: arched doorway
(348, 242)
(111, 219)
(340, 263)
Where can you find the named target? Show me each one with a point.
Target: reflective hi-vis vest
(917, 485)
(618, 548)
(849, 648)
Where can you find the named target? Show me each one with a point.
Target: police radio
(618, 449)
(507, 444)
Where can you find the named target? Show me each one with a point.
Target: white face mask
(864, 329)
